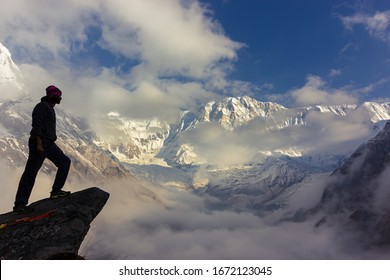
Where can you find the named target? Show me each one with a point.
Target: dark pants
(34, 163)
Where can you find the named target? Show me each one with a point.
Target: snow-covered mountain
(76, 138)
(169, 154)
(133, 140)
(11, 80)
(232, 112)
(142, 141)
(247, 154)
(89, 161)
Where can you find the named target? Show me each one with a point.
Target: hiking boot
(58, 194)
(22, 209)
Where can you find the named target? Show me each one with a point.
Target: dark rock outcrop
(56, 226)
(355, 180)
(358, 192)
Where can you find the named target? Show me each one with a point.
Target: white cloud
(220, 147)
(44, 29)
(142, 221)
(329, 133)
(382, 193)
(42, 188)
(348, 47)
(179, 54)
(323, 133)
(169, 38)
(315, 93)
(335, 73)
(174, 38)
(145, 221)
(377, 25)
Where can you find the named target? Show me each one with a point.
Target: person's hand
(40, 145)
(40, 149)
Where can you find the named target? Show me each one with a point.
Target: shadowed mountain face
(359, 190)
(56, 228)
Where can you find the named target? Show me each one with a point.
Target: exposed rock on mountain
(132, 140)
(359, 190)
(232, 112)
(75, 136)
(56, 227)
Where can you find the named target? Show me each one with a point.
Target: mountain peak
(4, 50)
(378, 111)
(232, 112)
(11, 81)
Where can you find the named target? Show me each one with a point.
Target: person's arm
(38, 116)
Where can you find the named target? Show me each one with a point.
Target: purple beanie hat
(52, 91)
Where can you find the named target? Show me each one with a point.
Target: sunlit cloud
(315, 93)
(377, 25)
(178, 55)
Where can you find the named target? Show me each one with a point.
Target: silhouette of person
(41, 146)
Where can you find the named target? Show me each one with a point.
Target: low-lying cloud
(323, 133)
(142, 221)
(146, 221)
(180, 227)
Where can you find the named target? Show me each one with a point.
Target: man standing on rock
(41, 146)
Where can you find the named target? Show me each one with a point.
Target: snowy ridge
(232, 112)
(133, 139)
(378, 111)
(10, 75)
(341, 110)
(143, 141)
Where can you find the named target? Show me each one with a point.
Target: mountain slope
(232, 112)
(260, 185)
(89, 161)
(142, 141)
(75, 137)
(353, 180)
(11, 80)
(359, 190)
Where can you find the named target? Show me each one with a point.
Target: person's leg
(27, 181)
(61, 161)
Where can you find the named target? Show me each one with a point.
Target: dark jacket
(44, 121)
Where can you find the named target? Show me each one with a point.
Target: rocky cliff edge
(55, 229)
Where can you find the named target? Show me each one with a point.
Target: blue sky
(144, 58)
(288, 40)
